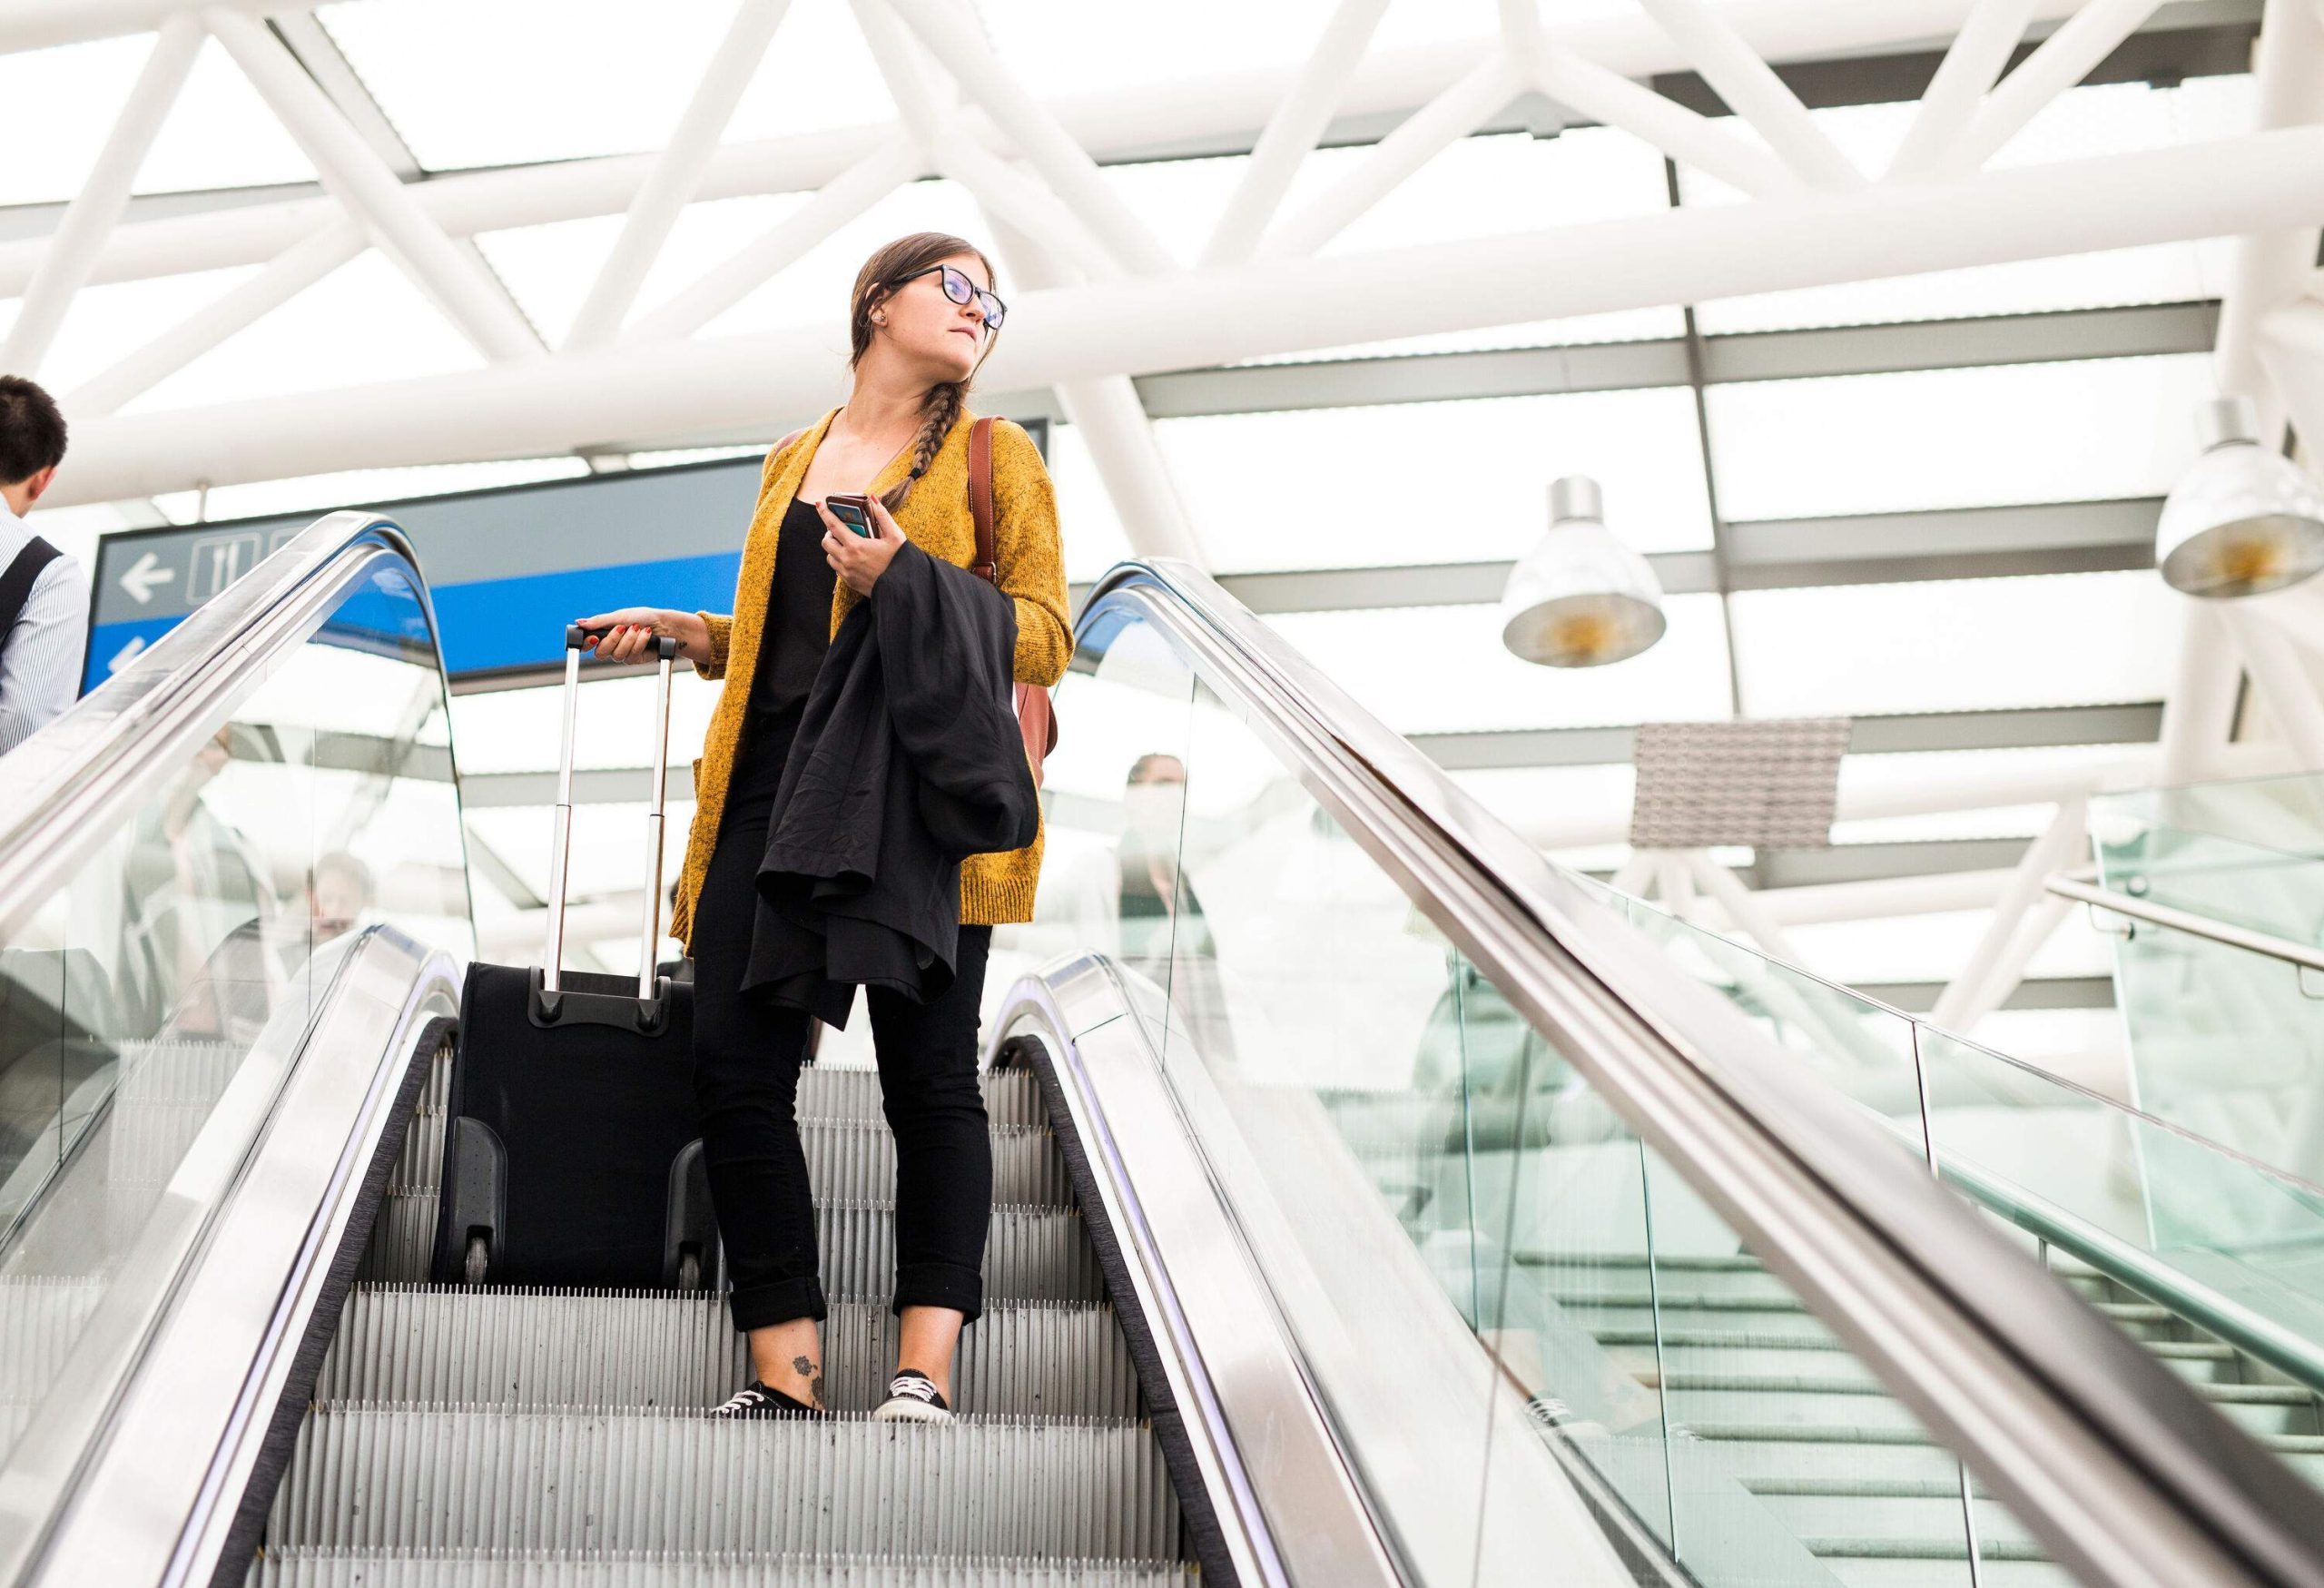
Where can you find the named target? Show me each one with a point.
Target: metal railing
(2119, 1468)
(2083, 887)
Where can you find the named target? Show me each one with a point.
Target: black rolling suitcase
(574, 1153)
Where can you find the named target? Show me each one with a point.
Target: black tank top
(798, 616)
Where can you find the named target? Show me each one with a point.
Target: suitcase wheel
(479, 1258)
(690, 1270)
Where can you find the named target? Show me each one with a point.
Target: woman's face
(927, 327)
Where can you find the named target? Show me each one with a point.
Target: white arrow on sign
(144, 575)
(126, 654)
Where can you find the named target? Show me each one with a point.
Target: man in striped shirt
(43, 609)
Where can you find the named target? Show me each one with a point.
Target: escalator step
(41, 1319)
(847, 1160)
(1031, 1254)
(854, 1160)
(430, 1345)
(421, 1166)
(533, 1569)
(1011, 1096)
(403, 1238)
(391, 1477)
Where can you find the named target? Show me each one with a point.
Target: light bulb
(1581, 598)
(2242, 520)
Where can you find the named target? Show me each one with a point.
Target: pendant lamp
(1581, 598)
(2244, 520)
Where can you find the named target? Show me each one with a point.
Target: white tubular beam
(1882, 898)
(1976, 790)
(2199, 709)
(2062, 845)
(1419, 138)
(1975, 62)
(1753, 91)
(40, 24)
(2064, 59)
(1024, 203)
(1676, 886)
(1292, 132)
(2039, 926)
(2297, 614)
(2285, 686)
(1114, 425)
(292, 272)
(1110, 124)
(89, 218)
(1233, 312)
(2291, 342)
(1632, 875)
(728, 283)
(1582, 85)
(1120, 437)
(452, 278)
(957, 149)
(950, 31)
(677, 172)
(1742, 906)
(2271, 268)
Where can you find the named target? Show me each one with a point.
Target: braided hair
(940, 409)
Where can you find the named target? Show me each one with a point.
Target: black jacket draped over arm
(908, 758)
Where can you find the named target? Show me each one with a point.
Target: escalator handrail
(1172, 1247)
(96, 762)
(2123, 1472)
(135, 1468)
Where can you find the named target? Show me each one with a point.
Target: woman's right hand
(623, 634)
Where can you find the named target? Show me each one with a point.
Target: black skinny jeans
(746, 1058)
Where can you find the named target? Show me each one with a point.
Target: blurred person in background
(43, 605)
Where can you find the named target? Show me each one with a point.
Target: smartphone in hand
(854, 511)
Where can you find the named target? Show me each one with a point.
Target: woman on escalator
(922, 318)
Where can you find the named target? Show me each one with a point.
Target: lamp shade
(1579, 599)
(2242, 520)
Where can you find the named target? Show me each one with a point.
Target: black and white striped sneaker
(912, 1398)
(757, 1400)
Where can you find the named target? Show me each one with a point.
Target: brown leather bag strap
(980, 498)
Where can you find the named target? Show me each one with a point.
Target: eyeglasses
(960, 289)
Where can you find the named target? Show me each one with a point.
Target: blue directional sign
(508, 567)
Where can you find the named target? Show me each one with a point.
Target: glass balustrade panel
(153, 1004)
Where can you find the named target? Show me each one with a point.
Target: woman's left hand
(860, 559)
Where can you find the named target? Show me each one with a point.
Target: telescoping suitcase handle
(552, 1004)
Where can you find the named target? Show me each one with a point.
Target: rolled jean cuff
(940, 1285)
(779, 1302)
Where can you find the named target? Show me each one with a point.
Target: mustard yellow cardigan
(994, 888)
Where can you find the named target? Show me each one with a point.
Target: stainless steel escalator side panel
(135, 1469)
(1213, 1324)
(2125, 1475)
(67, 781)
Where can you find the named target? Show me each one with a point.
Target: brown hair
(873, 284)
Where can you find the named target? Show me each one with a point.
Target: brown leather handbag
(1036, 716)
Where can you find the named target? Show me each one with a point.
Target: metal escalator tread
(336, 1568)
(529, 1348)
(557, 1439)
(1031, 1254)
(501, 1478)
(1820, 1446)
